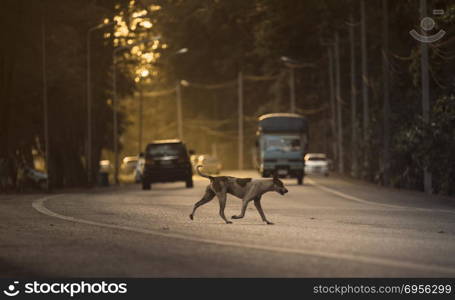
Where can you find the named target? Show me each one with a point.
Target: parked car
(29, 177)
(105, 166)
(129, 164)
(105, 169)
(316, 163)
(210, 164)
(166, 161)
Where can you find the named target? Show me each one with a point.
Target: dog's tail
(202, 174)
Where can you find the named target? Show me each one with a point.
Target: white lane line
(353, 198)
(39, 206)
(349, 197)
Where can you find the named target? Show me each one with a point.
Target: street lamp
(293, 64)
(89, 102)
(181, 51)
(114, 106)
(179, 101)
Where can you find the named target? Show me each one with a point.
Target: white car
(316, 163)
(129, 164)
(210, 164)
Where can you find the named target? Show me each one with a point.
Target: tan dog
(243, 188)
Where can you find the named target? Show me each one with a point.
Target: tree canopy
(225, 38)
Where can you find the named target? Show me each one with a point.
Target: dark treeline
(226, 37)
(58, 30)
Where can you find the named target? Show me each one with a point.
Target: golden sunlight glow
(123, 31)
(145, 73)
(126, 33)
(148, 56)
(139, 13)
(146, 24)
(136, 50)
(118, 19)
(154, 7)
(155, 45)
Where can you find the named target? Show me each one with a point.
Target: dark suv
(166, 161)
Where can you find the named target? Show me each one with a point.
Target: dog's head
(278, 185)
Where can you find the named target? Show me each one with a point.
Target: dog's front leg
(244, 206)
(222, 198)
(257, 203)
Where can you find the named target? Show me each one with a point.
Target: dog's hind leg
(222, 197)
(208, 196)
(257, 203)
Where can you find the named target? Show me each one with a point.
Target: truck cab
(282, 142)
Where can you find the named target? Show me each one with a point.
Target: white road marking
(39, 206)
(353, 198)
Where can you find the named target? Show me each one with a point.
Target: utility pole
(141, 114)
(89, 102)
(292, 88)
(427, 178)
(240, 120)
(45, 103)
(366, 120)
(332, 103)
(89, 115)
(114, 117)
(354, 152)
(178, 91)
(338, 100)
(385, 79)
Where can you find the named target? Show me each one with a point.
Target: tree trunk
(385, 78)
(366, 120)
(354, 152)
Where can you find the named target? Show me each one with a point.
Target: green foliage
(224, 38)
(431, 145)
(65, 25)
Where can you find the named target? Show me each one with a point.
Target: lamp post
(141, 113)
(338, 100)
(293, 64)
(89, 102)
(114, 104)
(240, 119)
(45, 103)
(178, 99)
(178, 91)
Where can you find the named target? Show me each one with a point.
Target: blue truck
(282, 142)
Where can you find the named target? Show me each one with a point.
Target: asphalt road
(329, 227)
